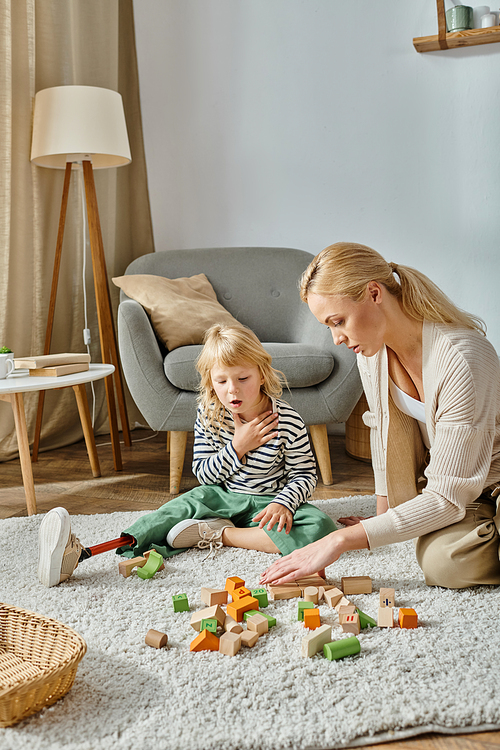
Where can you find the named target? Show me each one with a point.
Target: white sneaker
(58, 549)
(195, 533)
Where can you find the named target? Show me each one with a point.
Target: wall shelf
(453, 40)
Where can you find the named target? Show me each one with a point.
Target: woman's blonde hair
(346, 269)
(232, 346)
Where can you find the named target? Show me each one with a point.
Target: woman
(432, 382)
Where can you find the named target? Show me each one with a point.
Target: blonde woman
(432, 382)
(253, 459)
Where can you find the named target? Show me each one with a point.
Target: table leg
(84, 411)
(17, 402)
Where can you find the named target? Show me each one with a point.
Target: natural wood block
(156, 639)
(311, 594)
(205, 641)
(125, 567)
(237, 608)
(229, 643)
(350, 623)
(233, 583)
(258, 623)
(315, 641)
(312, 618)
(385, 617)
(207, 614)
(346, 609)
(231, 626)
(387, 597)
(285, 591)
(407, 618)
(213, 596)
(357, 585)
(333, 596)
(249, 638)
(343, 602)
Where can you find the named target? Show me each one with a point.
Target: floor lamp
(83, 127)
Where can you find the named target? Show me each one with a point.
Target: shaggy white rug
(442, 676)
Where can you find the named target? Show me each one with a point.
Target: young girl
(251, 455)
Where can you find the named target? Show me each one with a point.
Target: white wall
(303, 122)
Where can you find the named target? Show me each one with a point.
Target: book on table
(51, 360)
(57, 370)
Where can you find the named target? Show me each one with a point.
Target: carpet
(441, 677)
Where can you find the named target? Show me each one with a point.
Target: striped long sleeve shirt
(283, 467)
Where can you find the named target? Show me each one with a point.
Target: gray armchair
(259, 287)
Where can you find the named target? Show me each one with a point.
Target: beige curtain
(47, 43)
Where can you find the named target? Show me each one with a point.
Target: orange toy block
(311, 594)
(258, 624)
(233, 583)
(205, 641)
(249, 638)
(357, 585)
(407, 618)
(285, 591)
(213, 596)
(229, 644)
(385, 617)
(125, 567)
(387, 597)
(237, 608)
(312, 619)
(240, 593)
(350, 623)
(333, 596)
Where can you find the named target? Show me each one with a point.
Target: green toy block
(180, 602)
(261, 596)
(271, 620)
(302, 607)
(365, 620)
(250, 613)
(210, 624)
(155, 561)
(342, 648)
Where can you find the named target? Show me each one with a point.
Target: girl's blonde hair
(232, 346)
(346, 269)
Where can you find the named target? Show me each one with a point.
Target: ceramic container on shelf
(477, 13)
(489, 19)
(459, 18)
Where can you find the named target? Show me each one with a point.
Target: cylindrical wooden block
(156, 639)
(311, 594)
(357, 434)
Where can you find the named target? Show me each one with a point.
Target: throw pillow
(181, 310)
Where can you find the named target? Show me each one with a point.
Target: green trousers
(212, 501)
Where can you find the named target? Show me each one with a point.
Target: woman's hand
(272, 514)
(251, 435)
(382, 507)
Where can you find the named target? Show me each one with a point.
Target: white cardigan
(461, 380)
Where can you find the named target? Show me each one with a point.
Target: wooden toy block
(233, 583)
(213, 596)
(333, 596)
(285, 591)
(240, 593)
(311, 594)
(350, 623)
(210, 624)
(385, 617)
(387, 597)
(342, 648)
(152, 565)
(346, 609)
(250, 613)
(365, 620)
(231, 626)
(205, 641)
(315, 641)
(321, 593)
(249, 638)
(314, 580)
(258, 624)
(261, 596)
(125, 567)
(156, 639)
(312, 619)
(343, 602)
(146, 555)
(237, 608)
(357, 585)
(230, 643)
(180, 602)
(271, 620)
(301, 607)
(407, 618)
(207, 614)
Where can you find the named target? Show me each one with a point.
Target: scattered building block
(314, 580)
(205, 641)
(321, 593)
(271, 620)
(261, 596)
(333, 596)
(387, 597)
(240, 593)
(285, 591)
(342, 603)
(146, 555)
(250, 613)
(258, 624)
(365, 620)
(385, 617)
(155, 639)
(315, 641)
(342, 648)
(125, 567)
(230, 643)
(237, 608)
(233, 583)
(407, 618)
(357, 585)
(346, 609)
(249, 638)
(350, 623)
(311, 594)
(213, 596)
(301, 607)
(231, 626)
(180, 602)
(312, 618)
(152, 565)
(210, 624)
(207, 614)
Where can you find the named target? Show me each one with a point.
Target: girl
(251, 455)
(432, 382)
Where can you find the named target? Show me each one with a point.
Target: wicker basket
(357, 434)
(38, 662)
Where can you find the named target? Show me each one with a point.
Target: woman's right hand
(303, 562)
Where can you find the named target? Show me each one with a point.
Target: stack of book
(53, 365)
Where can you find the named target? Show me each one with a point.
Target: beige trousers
(464, 554)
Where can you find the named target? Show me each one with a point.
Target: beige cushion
(181, 310)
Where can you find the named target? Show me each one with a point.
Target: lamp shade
(79, 120)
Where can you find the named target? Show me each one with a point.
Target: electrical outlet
(86, 336)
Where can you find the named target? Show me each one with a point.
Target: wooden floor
(63, 477)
